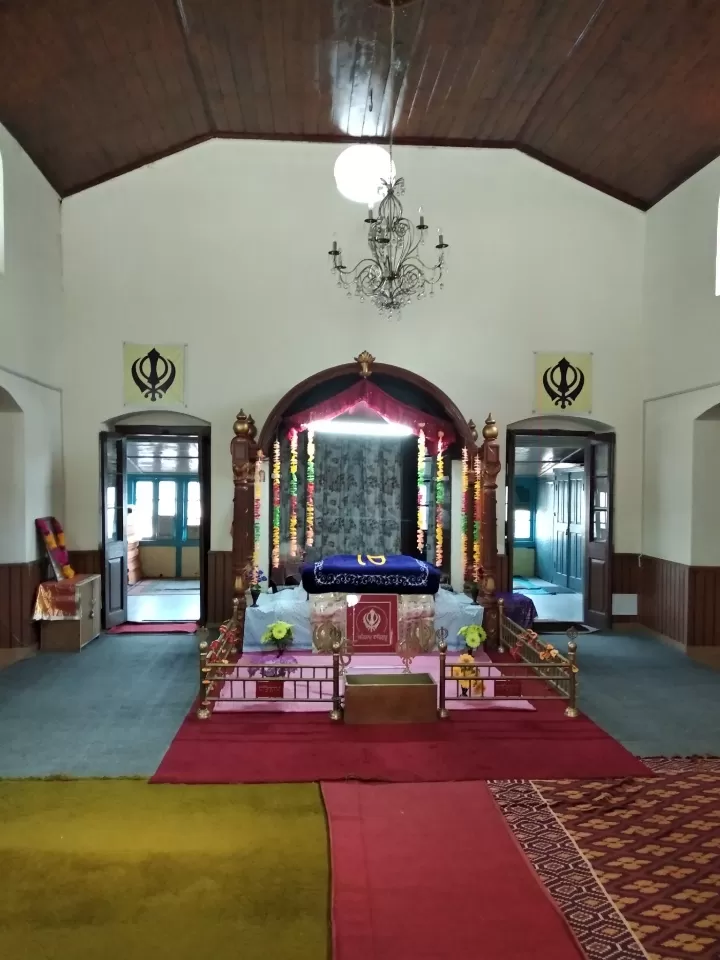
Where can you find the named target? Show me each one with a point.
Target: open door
(599, 469)
(509, 511)
(204, 472)
(113, 503)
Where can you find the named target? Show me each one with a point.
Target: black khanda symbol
(153, 375)
(563, 383)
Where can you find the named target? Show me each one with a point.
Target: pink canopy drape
(368, 393)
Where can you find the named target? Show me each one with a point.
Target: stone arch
(12, 480)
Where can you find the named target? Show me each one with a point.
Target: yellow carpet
(118, 869)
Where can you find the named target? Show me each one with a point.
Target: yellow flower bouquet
(280, 634)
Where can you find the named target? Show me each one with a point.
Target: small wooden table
(390, 698)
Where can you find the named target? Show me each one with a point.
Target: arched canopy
(403, 386)
(563, 424)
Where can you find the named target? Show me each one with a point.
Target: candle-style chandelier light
(393, 274)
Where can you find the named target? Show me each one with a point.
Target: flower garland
(439, 501)
(464, 487)
(310, 490)
(293, 491)
(54, 539)
(256, 516)
(476, 524)
(276, 506)
(421, 485)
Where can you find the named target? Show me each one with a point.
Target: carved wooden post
(490, 470)
(244, 451)
(470, 509)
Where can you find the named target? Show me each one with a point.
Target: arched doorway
(411, 517)
(12, 480)
(155, 482)
(558, 529)
(402, 384)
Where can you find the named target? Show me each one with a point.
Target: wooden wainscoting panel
(704, 607)
(663, 599)
(18, 587)
(625, 573)
(86, 561)
(220, 586)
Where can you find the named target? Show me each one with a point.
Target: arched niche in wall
(156, 419)
(12, 480)
(560, 424)
(705, 503)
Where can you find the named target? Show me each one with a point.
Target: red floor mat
(154, 628)
(426, 871)
(482, 745)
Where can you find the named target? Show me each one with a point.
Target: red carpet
(154, 628)
(307, 747)
(427, 871)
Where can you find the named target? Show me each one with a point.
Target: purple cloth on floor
(519, 608)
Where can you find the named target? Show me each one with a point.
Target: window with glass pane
(110, 512)
(143, 513)
(167, 509)
(600, 525)
(193, 510)
(523, 524)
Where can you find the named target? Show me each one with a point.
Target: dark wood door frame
(203, 433)
(599, 550)
(113, 547)
(511, 437)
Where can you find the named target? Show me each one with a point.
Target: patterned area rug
(634, 864)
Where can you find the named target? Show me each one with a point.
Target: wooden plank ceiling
(622, 94)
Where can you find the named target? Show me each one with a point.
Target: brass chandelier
(394, 273)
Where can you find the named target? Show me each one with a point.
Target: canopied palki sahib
(365, 561)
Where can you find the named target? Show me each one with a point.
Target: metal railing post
(501, 624)
(571, 710)
(203, 710)
(337, 710)
(442, 709)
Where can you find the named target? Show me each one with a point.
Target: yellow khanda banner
(153, 374)
(563, 383)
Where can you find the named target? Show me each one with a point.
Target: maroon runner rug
(430, 871)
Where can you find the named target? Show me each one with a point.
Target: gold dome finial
(365, 360)
(473, 430)
(490, 430)
(244, 426)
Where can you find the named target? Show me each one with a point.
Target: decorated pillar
(490, 468)
(244, 453)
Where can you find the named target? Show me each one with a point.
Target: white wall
(31, 332)
(681, 333)
(224, 247)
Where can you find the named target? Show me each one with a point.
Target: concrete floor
(164, 601)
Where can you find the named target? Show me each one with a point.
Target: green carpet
(98, 870)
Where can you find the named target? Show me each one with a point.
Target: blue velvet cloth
(363, 574)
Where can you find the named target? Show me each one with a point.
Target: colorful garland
(310, 490)
(54, 539)
(476, 525)
(293, 492)
(421, 486)
(439, 501)
(256, 515)
(276, 506)
(464, 510)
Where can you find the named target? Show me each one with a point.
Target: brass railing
(532, 658)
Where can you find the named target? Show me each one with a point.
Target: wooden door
(560, 528)
(599, 469)
(576, 531)
(204, 470)
(113, 503)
